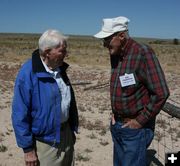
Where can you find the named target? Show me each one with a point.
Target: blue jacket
(36, 105)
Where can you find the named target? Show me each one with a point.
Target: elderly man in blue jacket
(44, 111)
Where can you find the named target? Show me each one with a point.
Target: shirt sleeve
(154, 80)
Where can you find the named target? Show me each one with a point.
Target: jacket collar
(37, 65)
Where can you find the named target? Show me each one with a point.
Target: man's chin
(112, 54)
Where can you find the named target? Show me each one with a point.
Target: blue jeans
(130, 145)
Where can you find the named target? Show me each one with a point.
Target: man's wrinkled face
(56, 55)
(114, 43)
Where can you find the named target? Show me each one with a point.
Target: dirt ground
(94, 145)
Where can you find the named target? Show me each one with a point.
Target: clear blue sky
(148, 18)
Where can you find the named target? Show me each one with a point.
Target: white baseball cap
(112, 25)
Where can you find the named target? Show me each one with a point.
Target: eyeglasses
(108, 39)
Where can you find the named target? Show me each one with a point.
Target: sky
(148, 18)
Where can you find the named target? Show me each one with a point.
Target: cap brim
(102, 34)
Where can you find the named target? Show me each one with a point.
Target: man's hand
(113, 119)
(133, 124)
(31, 158)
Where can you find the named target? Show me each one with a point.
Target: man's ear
(121, 35)
(46, 52)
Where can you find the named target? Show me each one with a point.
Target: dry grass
(3, 148)
(83, 50)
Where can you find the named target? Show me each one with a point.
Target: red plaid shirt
(147, 96)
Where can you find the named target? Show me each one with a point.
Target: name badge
(127, 79)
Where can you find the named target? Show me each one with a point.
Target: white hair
(51, 39)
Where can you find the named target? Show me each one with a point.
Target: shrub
(175, 41)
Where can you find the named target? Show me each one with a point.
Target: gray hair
(51, 39)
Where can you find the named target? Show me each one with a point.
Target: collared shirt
(144, 90)
(64, 91)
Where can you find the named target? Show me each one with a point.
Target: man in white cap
(138, 92)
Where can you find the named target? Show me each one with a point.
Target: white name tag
(127, 79)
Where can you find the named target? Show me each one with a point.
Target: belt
(122, 119)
